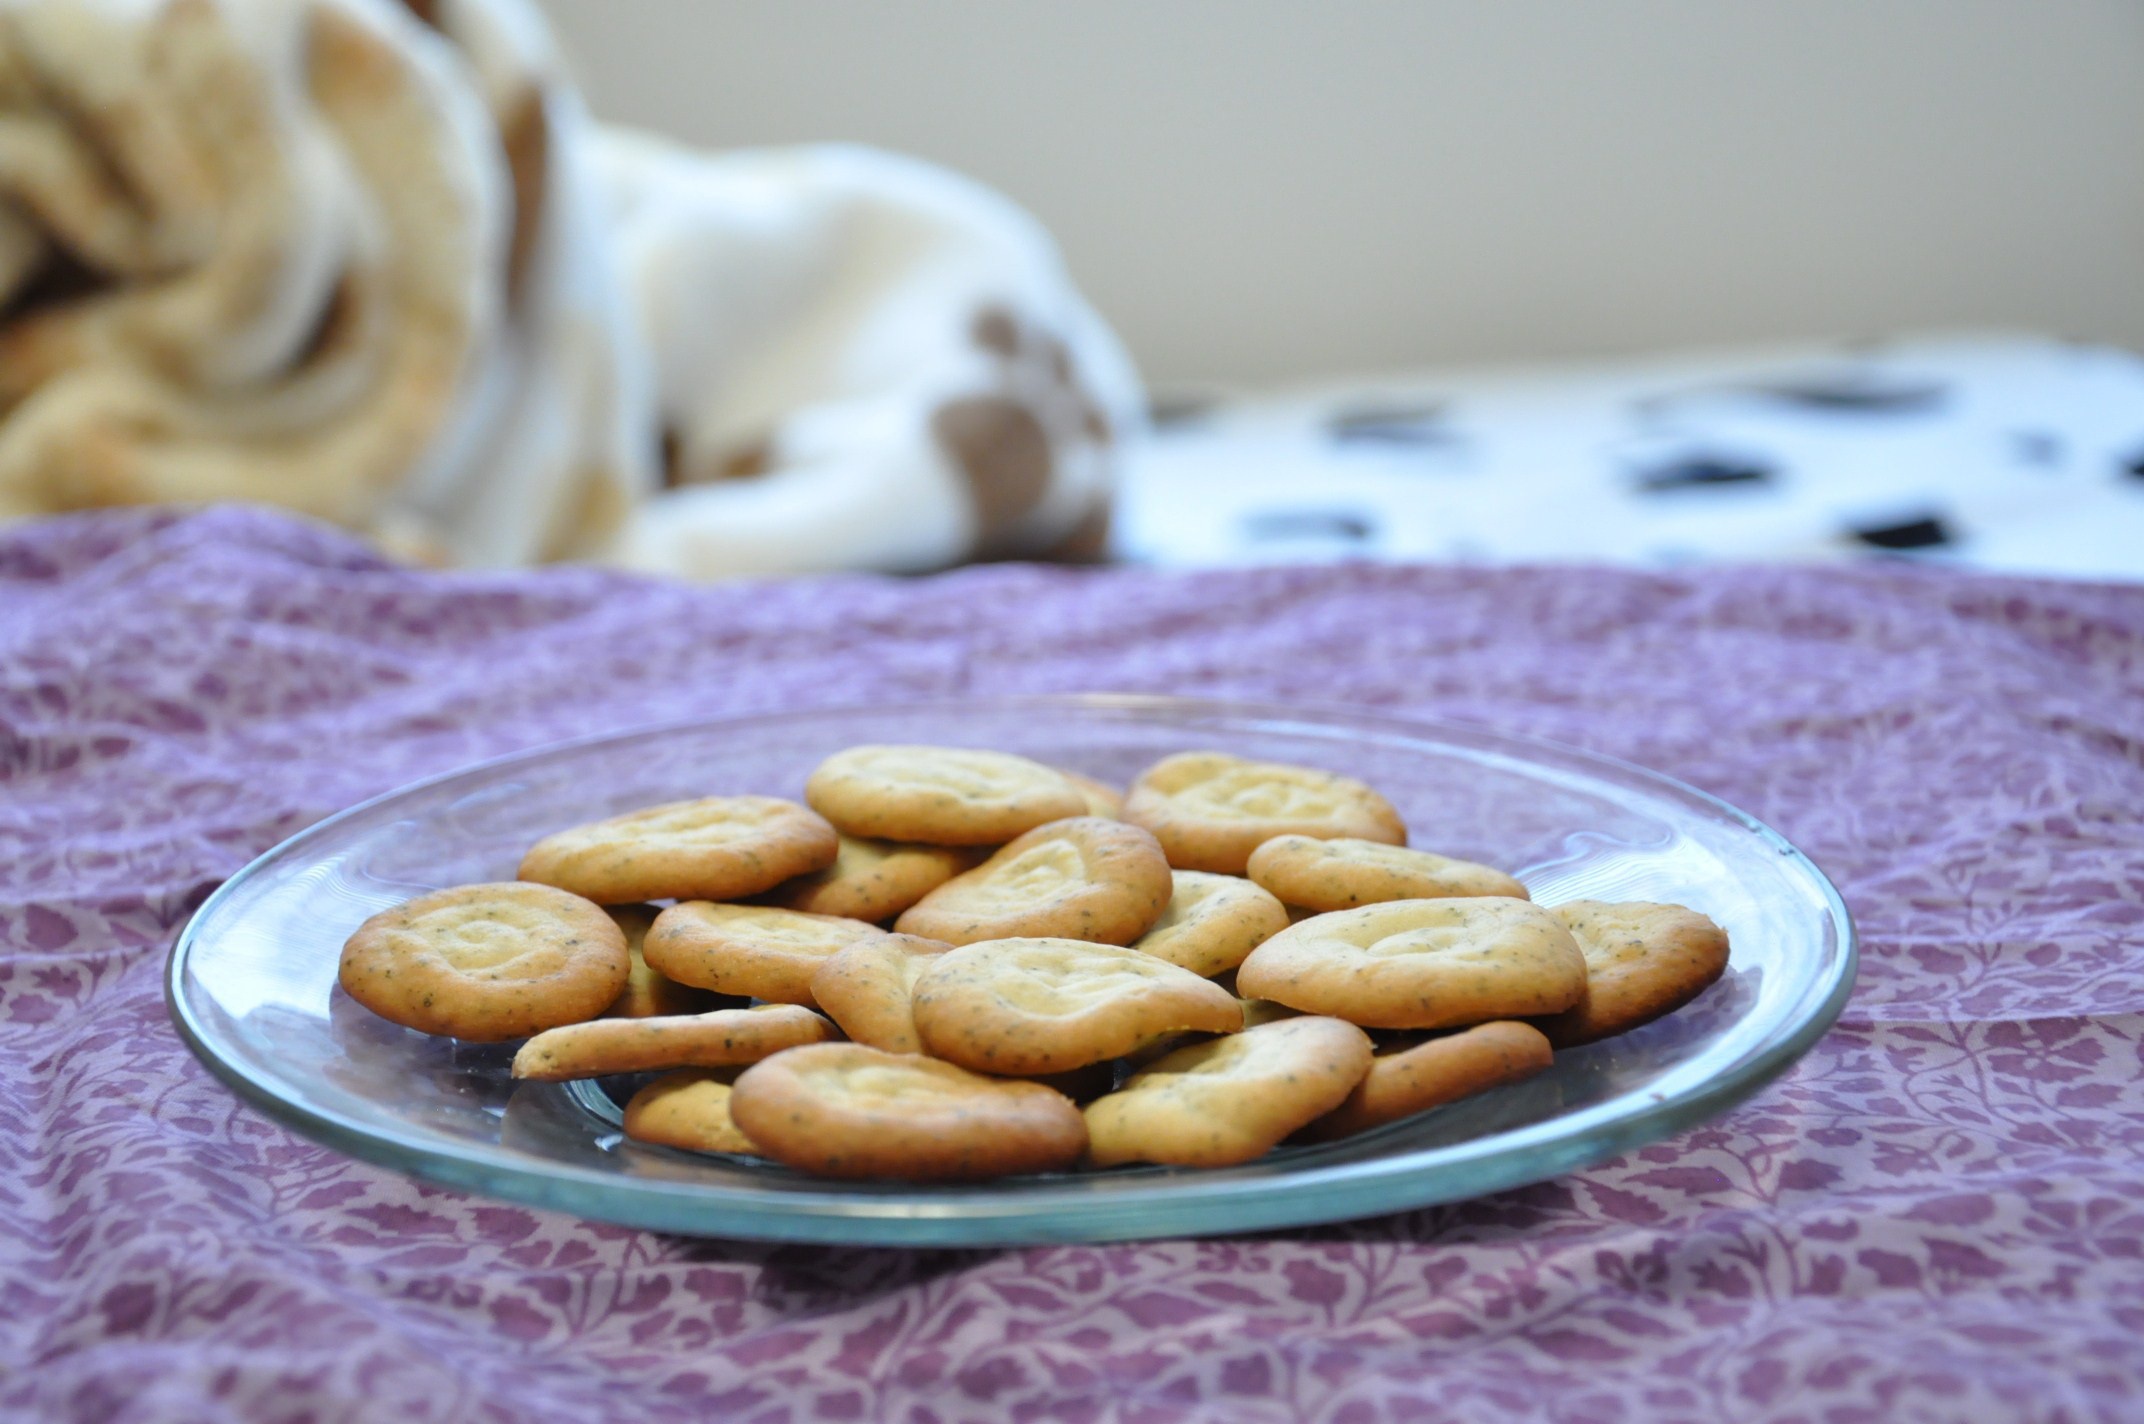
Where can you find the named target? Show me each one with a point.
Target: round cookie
(1102, 799)
(647, 994)
(754, 950)
(1212, 922)
(487, 962)
(869, 989)
(721, 1039)
(1034, 1006)
(847, 1110)
(718, 848)
(689, 1110)
(1210, 810)
(1431, 1074)
(1230, 1099)
(1344, 872)
(1642, 961)
(1082, 878)
(939, 795)
(872, 880)
(1421, 964)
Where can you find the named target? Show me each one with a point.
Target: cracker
(1429, 1075)
(1102, 799)
(717, 848)
(1212, 922)
(1421, 964)
(757, 951)
(721, 1039)
(1033, 1006)
(1081, 878)
(486, 962)
(689, 1110)
(1230, 1099)
(869, 989)
(848, 1110)
(873, 880)
(939, 795)
(1210, 810)
(648, 994)
(1344, 872)
(1643, 960)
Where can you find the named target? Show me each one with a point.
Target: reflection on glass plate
(252, 980)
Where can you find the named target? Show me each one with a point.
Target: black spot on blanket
(1926, 532)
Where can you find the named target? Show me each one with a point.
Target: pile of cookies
(959, 964)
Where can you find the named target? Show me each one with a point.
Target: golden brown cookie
(689, 1110)
(1642, 961)
(847, 1110)
(1421, 964)
(719, 848)
(758, 951)
(869, 989)
(1212, 922)
(1082, 878)
(721, 1039)
(647, 994)
(939, 795)
(1210, 810)
(1431, 1074)
(487, 962)
(873, 880)
(1229, 1099)
(1102, 798)
(1033, 1006)
(1341, 873)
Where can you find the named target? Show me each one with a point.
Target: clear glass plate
(252, 980)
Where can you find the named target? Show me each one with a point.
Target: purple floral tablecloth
(1938, 1215)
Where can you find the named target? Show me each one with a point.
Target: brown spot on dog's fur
(740, 462)
(335, 328)
(1002, 449)
(525, 135)
(995, 331)
(1088, 541)
(425, 10)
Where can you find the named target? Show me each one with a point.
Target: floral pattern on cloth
(1937, 1215)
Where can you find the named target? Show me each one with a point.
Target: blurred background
(1264, 190)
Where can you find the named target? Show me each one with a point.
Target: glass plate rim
(1309, 1196)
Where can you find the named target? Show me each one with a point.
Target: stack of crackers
(959, 964)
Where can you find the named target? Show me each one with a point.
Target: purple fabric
(1938, 1215)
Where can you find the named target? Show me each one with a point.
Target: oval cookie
(939, 795)
(487, 962)
(873, 880)
(1031, 1006)
(1212, 922)
(1082, 878)
(648, 994)
(1431, 1074)
(1421, 964)
(721, 1039)
(718, 848)
(755, 950)
(869, 989)
(1642, 961)
(1344, 872)
(689, 1110)
(847, 1110)
(1229, 1099)
(1102, 799)
(1210, 810)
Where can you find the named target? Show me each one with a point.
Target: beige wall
(1263, 188)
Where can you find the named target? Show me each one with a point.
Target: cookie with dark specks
(487, 962)
(1230, 1099)
(954, 796)
(758, 951)
(1421, 964)
(1341, 873)
(1429, 1075)
(848, 1110)
(1212, 922)
(1643, 961)
(648, 994)
(1210, 810)
(1083, 878)
(869, 989)
(873, 880)
(716, 848)
(1033, 1006)
(689, 1109)
(722, 1039)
